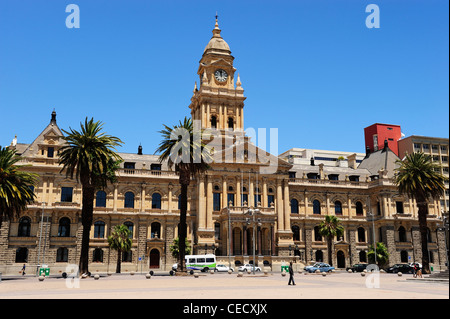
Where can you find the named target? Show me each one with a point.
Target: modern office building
(437, 148)
(376, 134)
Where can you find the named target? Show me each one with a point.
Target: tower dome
(217, 44)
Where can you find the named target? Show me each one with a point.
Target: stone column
(390, 243)
(264, 195)
(308, 244)
(352, 241)
(224, 192)
(209, 204)
(238, 199)
(115, 198)
(417, 243)
(279, 202)
(201, 204)
(287, 210)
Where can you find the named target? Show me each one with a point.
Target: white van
(199, 262)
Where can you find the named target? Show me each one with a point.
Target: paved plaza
(224, 286)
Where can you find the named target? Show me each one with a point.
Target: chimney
(367, 150)
(140, 150)
(312, 161)
(352, 161)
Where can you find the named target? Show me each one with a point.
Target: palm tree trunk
(184, 181)
(330, 254)
(423, 211)
(119, 258)
(86, 220)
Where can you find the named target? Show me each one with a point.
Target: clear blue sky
(312, 69)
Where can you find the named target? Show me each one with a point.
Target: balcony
(327, 182)
(129, 172)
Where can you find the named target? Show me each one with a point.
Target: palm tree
(330, 228)
(382, 256)
(120, 240)
(182, 148)
(419, 178)
(89, 155)
(15, 185)
(175, 248)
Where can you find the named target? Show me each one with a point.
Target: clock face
(220, 75)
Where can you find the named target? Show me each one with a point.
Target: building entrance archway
(154, 258)
(340, 259)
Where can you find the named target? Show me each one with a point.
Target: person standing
(291, 274)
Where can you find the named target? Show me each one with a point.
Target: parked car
(248, 267)
(311, 264)
(357, 268)
(418, 264)
(403, 268)
(322, 267)
(221, 267)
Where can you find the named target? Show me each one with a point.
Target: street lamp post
(255, 222)
(40, 238)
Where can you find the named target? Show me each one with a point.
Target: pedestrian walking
(291, 274)
(23, 270)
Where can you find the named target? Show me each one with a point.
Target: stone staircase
(441, 274)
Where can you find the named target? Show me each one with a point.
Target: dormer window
(50, 151)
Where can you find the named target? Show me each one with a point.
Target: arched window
(337, 208)
(64, 227)
(156, 201)
(402, 234)
(129, 200)
(359, 209)
(100, 199)
(130, 227)
(361, 235)
(316, 207)
(62, 255)
(317, 236)
(98, 255)
(156, 230)
(24, 227)
(296, 232)
(213, 122)
(294, 206)
(99, 229)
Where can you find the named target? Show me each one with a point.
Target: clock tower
(218, 102)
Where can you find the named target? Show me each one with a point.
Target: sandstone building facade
(292, 199)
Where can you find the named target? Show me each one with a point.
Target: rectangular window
(50, 151)
(155, 167)
(244, 199)
(209, 260)
(129, 165)
(66, 194)
(257, 199)
(192, 260)
(200, 260)
(230, 199)
(426, 146)
(270, 199)
(216, 201)
(444, 159)
(291, 174)
(399, 206)
(443, 147)
(417, 146)
(333, 177)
